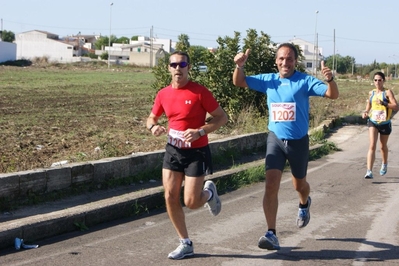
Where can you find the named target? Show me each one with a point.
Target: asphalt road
(353, 222)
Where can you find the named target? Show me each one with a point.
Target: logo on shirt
(188, 101)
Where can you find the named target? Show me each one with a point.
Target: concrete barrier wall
(14, 186)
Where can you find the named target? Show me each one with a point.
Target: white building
(36, 44)
(8, 51)
(143, 52)
(313, 54)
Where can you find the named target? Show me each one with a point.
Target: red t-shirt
(185, 108)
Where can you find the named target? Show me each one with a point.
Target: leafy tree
(261, 60)
(368, 70)
(104, 41)
(342, 65)
(197, 54)
(134, 38)
(122, 39)
(183, 43)
(218, 77)
(104, 56)
(7, 36)
(161, 73)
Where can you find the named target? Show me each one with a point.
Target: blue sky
(366, 30)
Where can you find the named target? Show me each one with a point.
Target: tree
(7, 36)
(221, 66)
(162, 76)
(218, 77)
(123, 39)
(104, 41)
(161, 73)
(342, 65)
(183, 43)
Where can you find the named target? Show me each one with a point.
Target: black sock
(273, 230)
(303, 206)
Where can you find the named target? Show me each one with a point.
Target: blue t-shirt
(288, 101)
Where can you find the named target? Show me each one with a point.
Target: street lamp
(109, 39)
(315, 46)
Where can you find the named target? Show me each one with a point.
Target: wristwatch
(201, 132)
(153, 125)
(329, 80)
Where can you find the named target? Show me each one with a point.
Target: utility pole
(315, 47)
(1, 31)
(333, 65)
(151, 45)
(109, 39)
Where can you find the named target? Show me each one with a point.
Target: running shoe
(369, 175)
(304, 215)
(214, 204)
(182, 251)
(269, 241)
(384, 169)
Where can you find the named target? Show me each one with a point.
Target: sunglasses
(378, 80)
(181, 64)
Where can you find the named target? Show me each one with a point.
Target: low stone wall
(15, 186)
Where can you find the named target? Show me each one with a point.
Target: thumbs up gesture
(241, 58)
(326, 72)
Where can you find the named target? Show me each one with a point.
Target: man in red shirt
(187, 154)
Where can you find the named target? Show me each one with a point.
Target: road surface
(353, 222)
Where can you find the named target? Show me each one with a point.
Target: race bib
(175, 138)
(283, 112)
(379, 115)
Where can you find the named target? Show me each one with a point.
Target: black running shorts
(192, 162)
(278, 151)
(383, 129)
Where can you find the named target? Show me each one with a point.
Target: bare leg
(270, 198)
(373, 134)
(172, 182)
(384, 148)
(194, 197)
(303, 189)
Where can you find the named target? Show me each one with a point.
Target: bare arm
(332, 87)
(393, 104)
(152, 125)
(332, 90)
(238, 74)
(219, 118)
(365, 114)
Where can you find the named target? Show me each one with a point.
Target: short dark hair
(183, 54)
(379, 73)
(290, 46)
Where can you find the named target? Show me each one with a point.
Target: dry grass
(51, 113)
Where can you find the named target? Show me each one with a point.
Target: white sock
(186, 241)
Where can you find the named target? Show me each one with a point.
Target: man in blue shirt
(288, 93)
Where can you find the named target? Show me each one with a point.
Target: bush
(18, 63)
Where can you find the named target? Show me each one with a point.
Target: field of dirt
(52, 114)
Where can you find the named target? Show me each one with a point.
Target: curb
(37, 225)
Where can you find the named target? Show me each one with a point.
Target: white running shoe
(182, 251)
(214, 204)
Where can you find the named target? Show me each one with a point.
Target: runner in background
(380, 104)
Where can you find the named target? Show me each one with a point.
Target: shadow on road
(387, 252)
